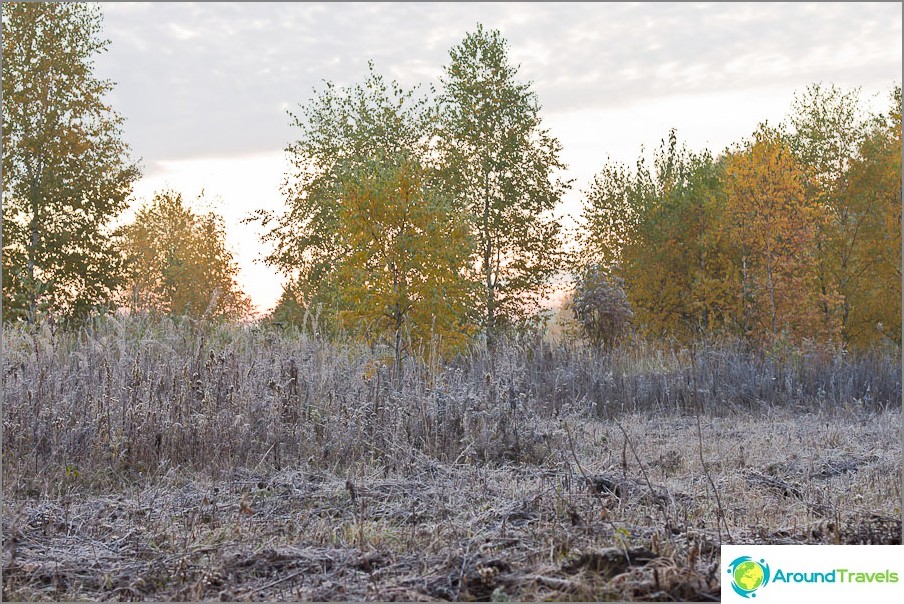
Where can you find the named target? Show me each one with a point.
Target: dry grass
(163, 462)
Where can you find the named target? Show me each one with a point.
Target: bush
(601, 307)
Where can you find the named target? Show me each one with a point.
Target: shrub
(601, 307)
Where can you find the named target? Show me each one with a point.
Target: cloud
(207, 79)
(645, 51)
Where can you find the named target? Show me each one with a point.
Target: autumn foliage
(400, 281)
(177, 262)
(67, 172)
(772, 226)
(790, 237)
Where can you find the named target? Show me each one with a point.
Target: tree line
(792, 235)
(420, 217)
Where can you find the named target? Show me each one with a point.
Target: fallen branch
(563, 584)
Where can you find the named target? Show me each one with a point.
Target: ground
(624, 510)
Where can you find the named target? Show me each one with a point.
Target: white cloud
(201, 78)
(181, 33)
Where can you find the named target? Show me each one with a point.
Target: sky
(205, 87)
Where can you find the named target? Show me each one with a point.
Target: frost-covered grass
(158, 460)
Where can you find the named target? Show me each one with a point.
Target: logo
(748, 575)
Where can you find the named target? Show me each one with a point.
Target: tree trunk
(772, 311)
(821, 275)
(487, 263)
(745, 312)
(32, 253)
(399, 320)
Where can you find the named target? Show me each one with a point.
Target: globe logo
(748, 575)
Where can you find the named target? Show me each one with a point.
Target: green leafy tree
(828, 126)
(341, 130)
(500, 165)
(657, 228)
(178, 262)
(673, 257)
(610, 218)
(66, 171)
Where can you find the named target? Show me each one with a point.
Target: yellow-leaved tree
(402, 280)
(872, 193)
(178, 262)
(772, 225)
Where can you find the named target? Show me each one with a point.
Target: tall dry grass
(131, 395)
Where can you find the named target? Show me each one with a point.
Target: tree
(401, 280)
(178, 262)
(829, 129)
(368, 236)
(657, 228)
(675, 264)
(610, 218)
(871, 190)
(290, 308)
(772, 225)
(340, 131)
(791, 235)
(500, 166)
(66, 171)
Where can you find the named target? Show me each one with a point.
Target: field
(158, 460)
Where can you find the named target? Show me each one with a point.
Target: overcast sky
(205, 87)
